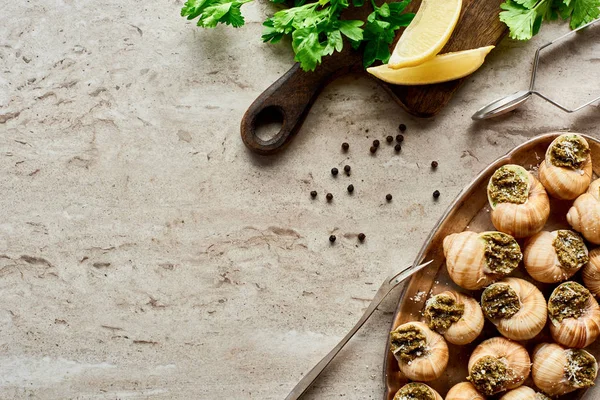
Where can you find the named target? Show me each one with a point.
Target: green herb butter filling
(508, 186)
(502, 253)
(581, 368)
(568, 301)
(570, 249)
(500, 301)
(541, 396)
(569, 152)
(490, 375)
(407, 343)
(442, 311)
(414, 391)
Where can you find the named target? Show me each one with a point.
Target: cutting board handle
(286, 101)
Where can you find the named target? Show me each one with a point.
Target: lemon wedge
(442, 68)
(427, 33)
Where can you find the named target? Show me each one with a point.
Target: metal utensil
(511, 102)
(386, 287)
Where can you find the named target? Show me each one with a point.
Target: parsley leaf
(308, 48)
(212, 12)
(352, 29)
(523, 22)
(584, 11)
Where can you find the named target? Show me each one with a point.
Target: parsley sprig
(212, 12)
(315, 28)
(524, 17)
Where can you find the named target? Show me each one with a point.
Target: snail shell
(541, 257)
(464, 391)
(511, 355)
(524, 393)
(591, 272)
(469, 255)
(584, 215)
(531, 316)
(552, 369)
(565, 183)
(578, 330)
(425, 362)
(520, 220)
(406, 391)
(470, 324)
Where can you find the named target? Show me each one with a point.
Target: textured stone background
(144, 253)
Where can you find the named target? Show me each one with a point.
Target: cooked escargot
(464, 391)
(422, 354)
(498, 364)
(574, 315)
(456, 316)
(591, 272)
(584, 215)
(417, 391)
(566, 171)
(557, 370)
(520, 205)
(474, 260)
(524, 393)
(551, 257)
(516, 307)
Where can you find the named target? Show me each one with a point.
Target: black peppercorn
(376, 143)
(329, 197)
(350, 188)
(313, 194)
(361, 237)
(402, 127)
(388, 197)
(332, 238)
(434, 164)
(389, 139)
(398, 147)
(373, 149)
(399, 138)
(347, 169)
(334, 171)
(436, 194)
(345, 146)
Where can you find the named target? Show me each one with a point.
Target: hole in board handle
(268, 123)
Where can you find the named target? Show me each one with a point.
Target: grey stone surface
(144, 253)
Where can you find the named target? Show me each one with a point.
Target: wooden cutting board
(290, 98)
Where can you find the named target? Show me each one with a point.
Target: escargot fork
(386, 287)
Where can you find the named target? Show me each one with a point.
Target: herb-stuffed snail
(524, 393)
(566, 171)
(417, 391)
(584, 215)
(497, 365)
(516, 307)
(422, 354)
(474, 260)
(574, 315)
(591, 272)
(464, 391)
(558, 371)
(456, 316)
(552, 257)
(519, 202)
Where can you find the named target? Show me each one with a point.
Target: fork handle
(314, 373)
